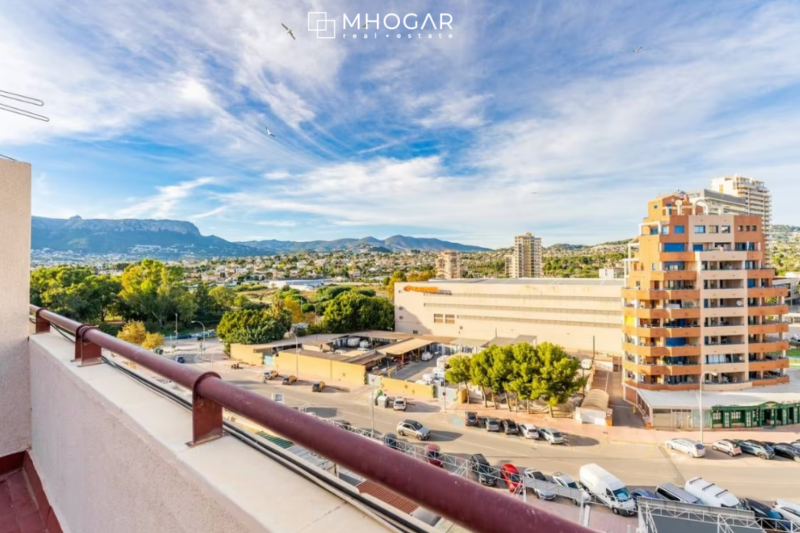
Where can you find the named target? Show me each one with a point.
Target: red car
(433, 455)
(511, 477)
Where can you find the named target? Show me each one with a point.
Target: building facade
(719, 203)
(575, 313)
(700, 305)
(448, 265)
(755, 194)
(525, 260)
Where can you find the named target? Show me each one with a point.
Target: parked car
(510, 427)
(540, 490)
(426, 356)
(528, 431)
(644, 493)
(271, 374)
(492, 424)
(482, 471)
(586, 364)
(180, 359)
(553, 436)
(414, 429)
(434, 455)
(768, 517)
(687, 446)
(566, 481)
(727, 446)
(786, 450)
(796, 444)
(672, 492)
(788, 510)
(289, 380)
(608, 489)
(757, 448)
(471, 419)
(710, 494)
(399, 404)
(511, 477)
(318, 386)
(390, 441)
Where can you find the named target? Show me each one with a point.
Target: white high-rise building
(448, 265)
(755, 194)
(525, 260)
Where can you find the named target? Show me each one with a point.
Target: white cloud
(277, 223)
(162, 205)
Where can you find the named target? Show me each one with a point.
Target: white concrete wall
(112, 456)
(15, 253)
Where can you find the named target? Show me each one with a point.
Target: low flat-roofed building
(575, 313)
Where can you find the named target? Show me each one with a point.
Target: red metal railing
(456, 498)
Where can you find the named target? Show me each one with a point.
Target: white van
(710, 494)
(607, 488)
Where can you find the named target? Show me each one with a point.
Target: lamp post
(203, 343)
(700, 401)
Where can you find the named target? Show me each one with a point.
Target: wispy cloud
(162, 205)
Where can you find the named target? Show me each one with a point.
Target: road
(638, 465)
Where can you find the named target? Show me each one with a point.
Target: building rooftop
(522, 281)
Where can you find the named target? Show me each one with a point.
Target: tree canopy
(153, 291)
(252, 326)
(351, 311)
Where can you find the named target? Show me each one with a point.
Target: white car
(541, 492)
(687, 446)
(790, 511)
(399, 404)
(586, 364)
(727, 446)
(553, 436)
(528, 431)
(426, 356)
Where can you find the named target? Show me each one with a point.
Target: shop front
(768, 414)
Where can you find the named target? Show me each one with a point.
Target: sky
(522, 116)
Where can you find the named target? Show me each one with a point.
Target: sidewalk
(621, 434)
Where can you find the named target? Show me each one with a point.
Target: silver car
(727, 446)
(553, 436)
(687, 446)
(528, 431)
(412, 428)
(541, 492)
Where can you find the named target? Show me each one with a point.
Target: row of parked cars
(510, 427)
(733, 447)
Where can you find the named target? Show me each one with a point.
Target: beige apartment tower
(754, 193)
(448, 265)
(525, 260)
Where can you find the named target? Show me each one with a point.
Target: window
(654, 266)
(713, 229)
(680, 229)
(674, 247)
(665, 230)
(697, 247)
(449, 319)
(655, 206)
(716, 416)
(438, 319)
(699, 229)
(741, 228)
(725, 229)
(400, 317)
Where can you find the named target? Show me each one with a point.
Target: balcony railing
(452, 497)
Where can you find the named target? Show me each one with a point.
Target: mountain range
(173, 239)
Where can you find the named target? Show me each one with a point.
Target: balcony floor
(20, 511)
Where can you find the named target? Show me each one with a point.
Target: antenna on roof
(25, 100)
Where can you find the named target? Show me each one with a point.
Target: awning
(405, 347)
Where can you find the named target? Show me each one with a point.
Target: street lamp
(203, 343)
(700, 401)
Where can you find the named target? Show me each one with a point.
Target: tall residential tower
(755, 194)
(699, 303)
(448, 265)
(525, 260)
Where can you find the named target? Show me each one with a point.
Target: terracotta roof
(386, 496)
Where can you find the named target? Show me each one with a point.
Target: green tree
(480, 370)
(557, 377)
(222, 297)
(396, 276)
(153, 341)
(351, 311)
(459, 371)
(153, 291)
(75, 292)
(251, 326)
(525, 366)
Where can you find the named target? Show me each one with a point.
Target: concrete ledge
(112, 456)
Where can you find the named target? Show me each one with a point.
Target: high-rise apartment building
(448, 265)
(719, 203)
(755, 194)
(525, 260)
(699, 303)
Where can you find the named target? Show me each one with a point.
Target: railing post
(206, 414)
(42, 325)
(87, 353)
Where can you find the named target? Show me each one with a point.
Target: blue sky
(158, 110)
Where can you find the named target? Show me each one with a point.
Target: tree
(75, 292)
(396, 276)
(480, 369)
(153, 341)
(525, 366)
(222, 297)
(296, 309)
(557, 377)
(459, 371)
(501, 372)
(133, 332)
(251, 326)
(351, 311)
(155, 292)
